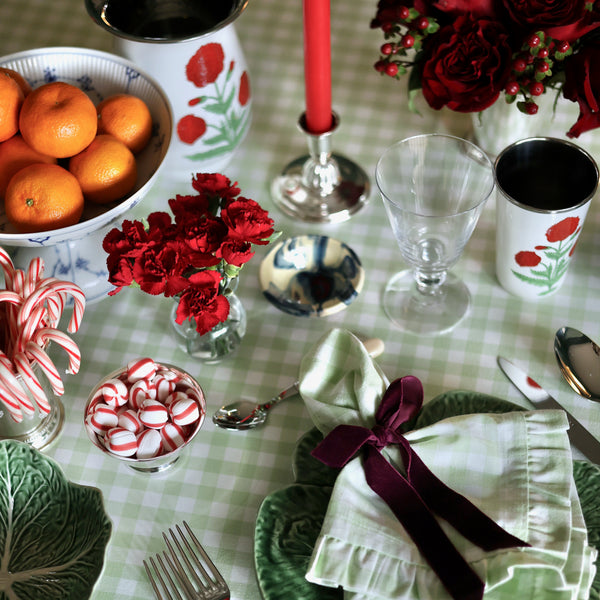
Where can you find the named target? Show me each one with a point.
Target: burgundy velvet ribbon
(415, 497)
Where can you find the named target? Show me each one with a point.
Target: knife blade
(579, 436)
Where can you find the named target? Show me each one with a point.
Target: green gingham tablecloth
(225, 476)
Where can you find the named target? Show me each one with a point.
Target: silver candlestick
(322, 187)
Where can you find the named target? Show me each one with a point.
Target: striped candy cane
(30, 379)
(47, 334)
(12, 385)
(8, 268)
(34, 352)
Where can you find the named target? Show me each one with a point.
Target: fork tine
(174, 562)
(162, 581)
(215, 572)
(185, 572)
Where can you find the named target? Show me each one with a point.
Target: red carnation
(527, 259)
(247, 221)
(201, 301)
(562, 230)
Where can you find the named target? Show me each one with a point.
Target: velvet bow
(414, 497)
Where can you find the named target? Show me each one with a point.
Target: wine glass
(433, 187)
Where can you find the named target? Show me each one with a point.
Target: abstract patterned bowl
(75, 253)
(311, 275)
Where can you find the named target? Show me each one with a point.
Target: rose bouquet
(465, 54)
(193, 256)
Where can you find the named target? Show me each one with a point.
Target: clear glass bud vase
(221, 341)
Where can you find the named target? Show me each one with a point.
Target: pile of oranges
(58, 150)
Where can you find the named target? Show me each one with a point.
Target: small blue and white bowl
(311, 275)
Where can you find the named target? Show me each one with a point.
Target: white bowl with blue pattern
(75, 253)
(311, 275)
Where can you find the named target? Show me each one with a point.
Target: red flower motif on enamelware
(190, 128)
(562, 230)
(206, 65)
(527, 259)
(244, 91)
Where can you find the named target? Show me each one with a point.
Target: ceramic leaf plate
(53, 533)
(289, 520)
(311, 275)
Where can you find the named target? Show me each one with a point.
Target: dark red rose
(467, 65)
(247, 221)
(201, 301)
(244, 91)
(562, 230)
(190, 128)
(388, 11)
(215, 184)
(206, 65)
(564, 20)
(478, 8)
(235, 252)
(160, 270)
(582, 85)
(527, 259)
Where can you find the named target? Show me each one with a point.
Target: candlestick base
(321, 187)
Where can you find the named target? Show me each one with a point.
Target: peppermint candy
(157, 406)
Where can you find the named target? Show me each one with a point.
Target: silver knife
(579, 436)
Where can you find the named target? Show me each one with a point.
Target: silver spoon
(579, 360)
(244, 414)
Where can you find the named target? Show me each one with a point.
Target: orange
(106, 169)
(15, 154)
(11, 101)
(21, 81)
(41, 197)
(58, 119)
(127, 118)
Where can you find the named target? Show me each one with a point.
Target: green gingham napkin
(515, 467)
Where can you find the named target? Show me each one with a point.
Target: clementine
(21, 81)
(41, 197)
(128, 118)
(15, 154)
(106, 169)
(11, 101)
(58, 119)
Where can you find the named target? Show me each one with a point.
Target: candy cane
(37, 319)
(14, 302)
(33, 275)
(11, 404)
(47, 334)
(33, 351)
(18, 282)
(78, 302)
(5, 360)
(32, 382)
(12, 385)
(8, 268)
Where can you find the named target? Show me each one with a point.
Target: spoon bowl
(579, 360)
(244, 414)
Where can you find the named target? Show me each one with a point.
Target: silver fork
(185, 572)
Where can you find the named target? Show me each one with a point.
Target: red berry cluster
(403, 34)
(531, 66)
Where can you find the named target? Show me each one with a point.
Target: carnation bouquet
(193, 256)
(466, 54)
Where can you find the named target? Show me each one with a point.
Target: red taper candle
(317, 65)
